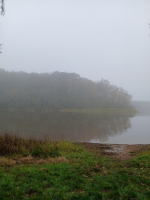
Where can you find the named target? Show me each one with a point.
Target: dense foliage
(58, 90)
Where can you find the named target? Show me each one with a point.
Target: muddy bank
(119, 151)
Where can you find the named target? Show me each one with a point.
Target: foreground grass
(80, 175)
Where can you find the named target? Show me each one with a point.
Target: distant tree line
(58, 90)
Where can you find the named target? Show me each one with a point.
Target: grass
(101, 111)
(130, 111)
(14, 144)
(74, 173)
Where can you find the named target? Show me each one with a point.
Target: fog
(96, 39)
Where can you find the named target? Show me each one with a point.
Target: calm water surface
(119, 129)
(138, 133)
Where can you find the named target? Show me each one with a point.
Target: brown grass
(14, 144)
(30, 160)
(6, 162)
(18, 150)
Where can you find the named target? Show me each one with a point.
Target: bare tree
(2, 7)
(0, 47)
(2, 12)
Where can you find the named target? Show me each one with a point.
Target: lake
(80, 127)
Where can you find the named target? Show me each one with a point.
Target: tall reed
(14, 144)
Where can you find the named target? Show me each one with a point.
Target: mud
(118, 151)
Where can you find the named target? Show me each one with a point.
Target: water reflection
(65, 126)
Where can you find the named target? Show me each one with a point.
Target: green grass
(86, 175)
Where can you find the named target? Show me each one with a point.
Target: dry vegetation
(11, 144)
(33, 169)
(30, 160)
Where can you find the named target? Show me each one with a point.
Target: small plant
(69, 146)
(25, 152)
(9, 144)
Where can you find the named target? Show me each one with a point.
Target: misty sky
(97, 39)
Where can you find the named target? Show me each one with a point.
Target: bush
(69, 146)
(45, 150)
(14, 144)
(25, 152)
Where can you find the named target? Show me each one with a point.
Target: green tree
(58, 90)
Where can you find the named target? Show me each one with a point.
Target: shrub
(45, 150)
(69, 146)
(14, 144)
(24, 151)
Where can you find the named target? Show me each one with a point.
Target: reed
(11, 143)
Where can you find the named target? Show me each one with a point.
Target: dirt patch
(119, 151)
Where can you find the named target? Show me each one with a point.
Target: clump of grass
(14, 144)
(69, 147)
(5, 162)
(45, 150)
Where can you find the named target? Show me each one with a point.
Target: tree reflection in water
(65, 126)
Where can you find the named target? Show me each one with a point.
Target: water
(118, 129)
(138, 133)
(58, 126)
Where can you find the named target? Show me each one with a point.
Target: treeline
(57, 90)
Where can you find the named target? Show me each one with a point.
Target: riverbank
(74, 171)
(118, 151)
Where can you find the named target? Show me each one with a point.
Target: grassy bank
(31, 169)
(82, 110)
(102, 111)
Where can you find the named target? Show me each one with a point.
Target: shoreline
(118, 151)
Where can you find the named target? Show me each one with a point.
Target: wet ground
(119, 151)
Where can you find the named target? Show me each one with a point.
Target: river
(80, 127)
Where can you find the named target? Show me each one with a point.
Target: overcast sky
(97, 39)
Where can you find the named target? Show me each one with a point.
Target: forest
(21, 90)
